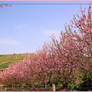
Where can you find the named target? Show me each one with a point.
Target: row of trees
(66, 61)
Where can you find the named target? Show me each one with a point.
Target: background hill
(6, 60)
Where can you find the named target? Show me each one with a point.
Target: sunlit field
(6, 60)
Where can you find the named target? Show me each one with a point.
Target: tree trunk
(53, 87)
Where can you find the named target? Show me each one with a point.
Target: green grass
(6, 60)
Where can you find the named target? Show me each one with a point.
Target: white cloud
(51, 32)
(21, 27)
(8, 41)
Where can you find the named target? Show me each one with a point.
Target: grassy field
(6, 60)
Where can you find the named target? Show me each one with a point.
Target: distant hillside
(6, 60)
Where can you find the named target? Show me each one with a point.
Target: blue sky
(24, 28)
